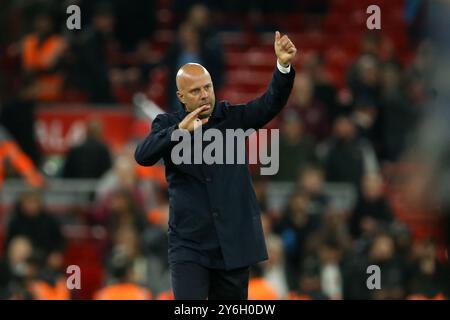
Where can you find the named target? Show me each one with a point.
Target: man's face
(197, 91)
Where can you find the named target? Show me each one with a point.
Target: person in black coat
(30, 220)
(215, 230)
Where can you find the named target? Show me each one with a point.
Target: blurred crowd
(327, 135)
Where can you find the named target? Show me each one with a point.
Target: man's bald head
(188, 72)
(195, 88)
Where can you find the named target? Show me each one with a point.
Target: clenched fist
(284, 49)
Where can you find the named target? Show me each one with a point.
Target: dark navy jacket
(214, 217)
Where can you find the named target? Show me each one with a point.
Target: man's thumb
(277, 36)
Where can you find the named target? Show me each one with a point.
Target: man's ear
(180, 96)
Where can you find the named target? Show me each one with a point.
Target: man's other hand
(191, 121)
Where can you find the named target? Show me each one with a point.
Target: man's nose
(204, 94)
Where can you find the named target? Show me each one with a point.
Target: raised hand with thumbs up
(284, 49)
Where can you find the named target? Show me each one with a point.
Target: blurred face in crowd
(390, 78)
(369, 44)
(31, 204)
(344, 128)
(189, 38)
(199, 16)
(304, 90)
(119, 203)
(382, 248)
(275, 251)
(372, 187)
(368, 71)
(416, 90)
(309, 282)
(311, 180)
(298, 206)
(329, 254)
(19, 250)
(126, 240)
(291, 128)
(125, 170)
(311, 64)
(195, 88)
(43, 24)
(104, 22)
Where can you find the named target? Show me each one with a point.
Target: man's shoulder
(170, 118)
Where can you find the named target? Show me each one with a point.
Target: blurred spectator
(50, 282)
(17, 115)
(124, 212)
(395, 113)
(388, 52)
(31, 220)
(294, 228)
(324, 91)
(135, 23)
(330, 271)
(365, 116)
(311, 181)
(17, 269)
(369, 47)
(296, 150)
(91, 159)
(42, 57)
(89, 56)
(372, 210)
(274, 268)
(196, 43)
(366, 84)
(429, 277)
(332, 231)
(155, 245)
(127, 242)
(309, 282)
(123, 286)
(122, 174)
(258, 287)
(9, 150)
(415, 13)
(382, 253)
(313, 114)
(346, 157)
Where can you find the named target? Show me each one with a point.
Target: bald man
(215, 230)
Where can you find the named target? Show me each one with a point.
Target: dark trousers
(191, 281)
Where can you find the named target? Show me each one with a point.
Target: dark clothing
(214, 217)
(432, 283)
(378, 209)
(43, 231)
(345, 161)
(208, 283)
(91, 159)
(18, 117)
(294, 157)
(89, 69)
(294, 237)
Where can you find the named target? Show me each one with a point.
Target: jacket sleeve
(258, 112)
(157, 143)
